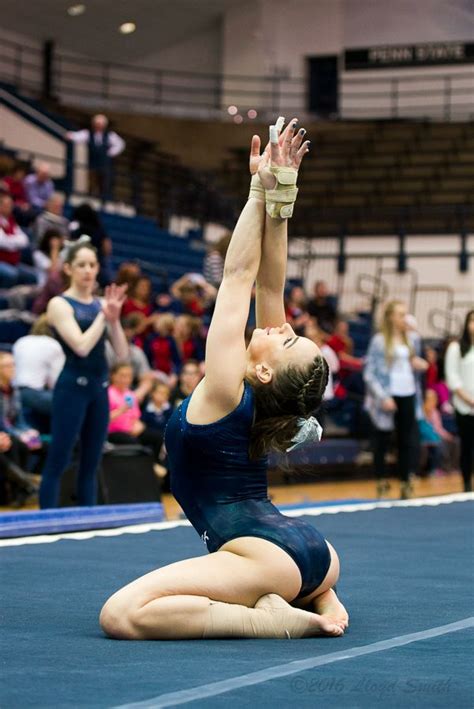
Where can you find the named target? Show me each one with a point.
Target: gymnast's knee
(116, 621)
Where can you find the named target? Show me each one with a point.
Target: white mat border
(300, 512)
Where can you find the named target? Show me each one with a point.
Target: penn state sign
(409, 55)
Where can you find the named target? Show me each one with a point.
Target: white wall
(307, 259)
(377, 22)
(201, 53)
(19, 134)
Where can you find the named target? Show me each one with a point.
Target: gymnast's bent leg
(223, 594)
(69, 407)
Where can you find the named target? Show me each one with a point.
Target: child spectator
(157, 410)
(448, 443)
(160, 347)
(188, 380)
(188, 338)
(125, 426)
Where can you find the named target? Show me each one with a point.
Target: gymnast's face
(84, 269)
(274, 347)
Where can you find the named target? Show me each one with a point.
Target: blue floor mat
(404, 570)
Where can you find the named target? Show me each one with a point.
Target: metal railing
(445, 96)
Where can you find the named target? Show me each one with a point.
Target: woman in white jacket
(459, 368)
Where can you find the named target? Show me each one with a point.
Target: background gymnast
(80, 402)
(249, 402)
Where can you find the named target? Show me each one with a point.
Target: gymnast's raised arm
(221, 389)
(288, 152)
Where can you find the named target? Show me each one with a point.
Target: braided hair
(295, 392)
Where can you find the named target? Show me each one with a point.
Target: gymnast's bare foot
(311, 624)
(329, 606)
(323, 625)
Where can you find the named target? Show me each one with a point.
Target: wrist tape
(256, 188)
(281, 199)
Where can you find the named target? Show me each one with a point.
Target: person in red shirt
(187, 338)
(16, 187)
(140, 302)
(12, 240)
(160, 347)
(351, 367)
(194, 292)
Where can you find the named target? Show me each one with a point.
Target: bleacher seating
(377, 177)
(139, 238)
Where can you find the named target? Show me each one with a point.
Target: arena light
(232, 110)
(76, 10)
(252, 113)
(238, 119)
(127, 27)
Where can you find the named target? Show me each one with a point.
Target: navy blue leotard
(224, 493)
(80, 411)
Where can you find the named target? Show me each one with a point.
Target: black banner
(409, 55)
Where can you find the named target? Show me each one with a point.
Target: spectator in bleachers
(157, 409)
(189, 378)
(47, 257)
(12, 240)
(459, 365)
(160, 347)
(104, 145)
(85, 220)
(137, 358)
(55, 284)
(125, 425)
(156, 413)
(432, 373)
(39, 187)
(296, 309)
(140, 303)
(314, 333)
(194, 292)
(322, 306)
(391, 388)
(51, 218)
(213, 266)
(39, 359)
(442, 448)
(128, 274)
(15, 183)
(187, 336)
(12, 418)
(350, 377)
(139, 300)
(16, 485)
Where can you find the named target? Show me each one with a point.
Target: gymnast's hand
(113, 300)
(286, 149)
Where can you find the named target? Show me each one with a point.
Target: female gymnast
(80, 400)
(249, 402)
